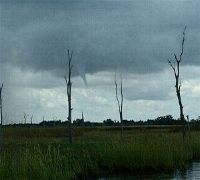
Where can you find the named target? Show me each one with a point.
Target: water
(191, 173)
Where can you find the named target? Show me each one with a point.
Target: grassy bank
(43, 153)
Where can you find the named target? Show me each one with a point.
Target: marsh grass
(94, 153)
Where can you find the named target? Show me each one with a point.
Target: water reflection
(191, 173)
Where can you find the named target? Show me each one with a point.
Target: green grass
(44, 153)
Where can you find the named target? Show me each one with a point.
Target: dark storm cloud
(146, 93)
(132, 36)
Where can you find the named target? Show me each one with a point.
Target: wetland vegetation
(44, 152)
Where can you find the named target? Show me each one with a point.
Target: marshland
(45, 153)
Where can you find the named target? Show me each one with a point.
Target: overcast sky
(135, 38)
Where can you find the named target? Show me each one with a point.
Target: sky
(134, 38)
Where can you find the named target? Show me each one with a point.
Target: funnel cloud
(134, 37)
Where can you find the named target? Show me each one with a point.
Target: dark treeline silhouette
(162, 120)
(159, 121)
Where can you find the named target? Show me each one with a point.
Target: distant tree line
(160, 121)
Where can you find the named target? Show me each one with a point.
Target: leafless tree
(176, 69)
(31, 119)
(1, 104)
(82, 116)
(69, 90)
(188, 123)
(25, 117)
(120, 105)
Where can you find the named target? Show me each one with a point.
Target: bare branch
(176, 58)
(182, 44)
(122, 97)
(170, 63)
(65, 79)
(173, 67)
(116, 95)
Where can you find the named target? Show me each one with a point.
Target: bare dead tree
(1, 104)
(120, 106)
(188, 123)
(82, 116)
(69, 90)
(176, 69)
(25, 117)
(1, 125)
(31, 119)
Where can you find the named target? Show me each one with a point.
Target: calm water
(191, 173)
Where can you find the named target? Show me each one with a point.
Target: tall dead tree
(176, 69)
(120, 106)
(25, 117)
(69, 90)
(31, 119)
(1, 125)
(82, 117)
(1, 104)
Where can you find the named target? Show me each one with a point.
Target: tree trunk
(1, 125)
(120, 107)
(122, 128)
(70, 116)
(182, 118)
(69, 90)
(1, 104)
(1, 112)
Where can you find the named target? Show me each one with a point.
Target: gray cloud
(136, 37)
